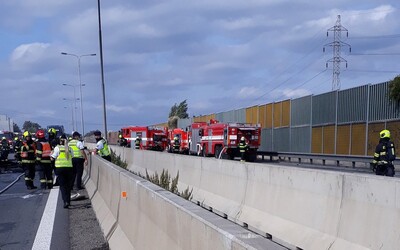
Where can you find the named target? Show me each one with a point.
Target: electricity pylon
(337, 45)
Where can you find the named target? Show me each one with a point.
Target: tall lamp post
(73, 107)
(72, 117)
(78, 57)
(102, 71)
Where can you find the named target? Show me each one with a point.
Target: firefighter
(384, 155)
(102, 146)
(43, 152)
(121, 140)
(79, 159)
(62, 156)
(28, 159)
(138, 141)
(17, 149)
(54, 141)
(243, 148)
(4, 149)
(177, 144)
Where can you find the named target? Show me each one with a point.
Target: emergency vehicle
(222, 139)
(152, 138)
(183, 140)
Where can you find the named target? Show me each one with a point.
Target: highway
(36, 219)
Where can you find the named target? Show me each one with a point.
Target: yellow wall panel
(252, 115)
(373, 136)
(268, 115)
(394, 128)
(358, 139)
(262, 115)
(316, 147)
(255, 117)
(343, 140)
(277, 114)
(285, 113)
(328, 134)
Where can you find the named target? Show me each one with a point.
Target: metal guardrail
(322, 157)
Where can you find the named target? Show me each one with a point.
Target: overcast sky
(219, 55)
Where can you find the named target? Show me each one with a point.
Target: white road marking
(45, 230)
(28, 196)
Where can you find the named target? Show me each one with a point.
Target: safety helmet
(40, 134)
(16, 138)
(4, 138)
(26, 134)
(119, 136)
(242, 139)
(97, 133)
(52, 131)
(385, 134)
(63, 136)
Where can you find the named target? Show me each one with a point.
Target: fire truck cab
(152, 138)
(222, 139)
(182, 136)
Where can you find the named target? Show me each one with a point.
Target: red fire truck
(222, 139)
(183, 141)
(152, 138)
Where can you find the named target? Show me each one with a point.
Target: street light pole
(78, 57)
(75, 99)
(73, 107)
(102, 72)
(72, 116)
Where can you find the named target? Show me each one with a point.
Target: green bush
(117, 160)
(394, 89)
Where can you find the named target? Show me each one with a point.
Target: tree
(32, 127)
(16, 128)
(177, 112)
(394, 89)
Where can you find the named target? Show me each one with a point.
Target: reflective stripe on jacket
(43, 152)
(28, 153)
(62, 161)
(76, 152)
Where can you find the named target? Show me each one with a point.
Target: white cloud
(28, 54)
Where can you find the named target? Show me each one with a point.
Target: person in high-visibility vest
(102, 148)
(43, 152)
(28, 159)
(79, 158)
(62, 155)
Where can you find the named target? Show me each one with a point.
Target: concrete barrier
(307, 208)
(151, 218)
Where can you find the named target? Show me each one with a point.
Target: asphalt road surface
(36, 219)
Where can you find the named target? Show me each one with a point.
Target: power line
(374, 54)
(377, 37)
(373, 71)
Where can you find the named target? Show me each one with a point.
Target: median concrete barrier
(306, 208)
(149, 217)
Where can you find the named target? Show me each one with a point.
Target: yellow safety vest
(76, 152)
(105, 151)
(62, 161)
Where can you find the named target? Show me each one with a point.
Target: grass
(164, 180)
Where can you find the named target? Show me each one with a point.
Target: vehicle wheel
(204, 153)
(217, 151)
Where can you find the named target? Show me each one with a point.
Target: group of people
(65, 157)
